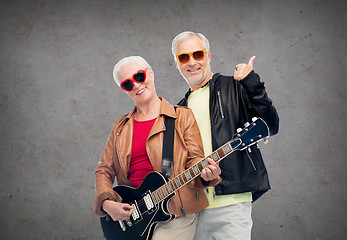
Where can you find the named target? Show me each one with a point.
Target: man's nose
(191, 61)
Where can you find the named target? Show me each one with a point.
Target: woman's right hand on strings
(117, 211)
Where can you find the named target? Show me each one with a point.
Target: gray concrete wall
(58, 103)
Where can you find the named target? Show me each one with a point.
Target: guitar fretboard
(194, 171)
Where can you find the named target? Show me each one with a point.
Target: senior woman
(134, 149)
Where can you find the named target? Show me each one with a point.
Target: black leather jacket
(232, 104)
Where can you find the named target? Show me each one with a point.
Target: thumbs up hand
(242, 70)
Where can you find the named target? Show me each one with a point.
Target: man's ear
(209, 56)
(176, 64)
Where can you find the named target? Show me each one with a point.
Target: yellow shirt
(199, 102)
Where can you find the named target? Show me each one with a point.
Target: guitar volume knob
(129, 223)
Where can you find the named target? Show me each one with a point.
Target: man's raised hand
(242, 70)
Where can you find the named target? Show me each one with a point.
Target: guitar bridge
(122, 225)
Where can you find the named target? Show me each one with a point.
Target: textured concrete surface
(58, 103)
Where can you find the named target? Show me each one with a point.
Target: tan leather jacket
(115, 160)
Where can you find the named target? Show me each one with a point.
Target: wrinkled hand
(242, 70)
(210, 172)
(117, 211)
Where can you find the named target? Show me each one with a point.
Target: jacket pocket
(220, 104)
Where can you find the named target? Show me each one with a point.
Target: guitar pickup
(149, 202)
(136, 214)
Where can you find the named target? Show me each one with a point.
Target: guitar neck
(193, 172)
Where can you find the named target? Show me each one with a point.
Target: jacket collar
(167, 109)
(215, 76)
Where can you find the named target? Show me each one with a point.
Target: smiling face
(143, 92)
(196, 73)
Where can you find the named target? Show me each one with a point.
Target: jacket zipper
(251, 160)
(220, 104)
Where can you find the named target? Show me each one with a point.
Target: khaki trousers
(232, 222)
(181, 228)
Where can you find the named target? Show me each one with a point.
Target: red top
(140, 164)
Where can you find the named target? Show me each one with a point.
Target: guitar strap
(168, 145)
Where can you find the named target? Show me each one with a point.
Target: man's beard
(191, 81)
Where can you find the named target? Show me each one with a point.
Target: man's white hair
(124, 61)
(185, 35)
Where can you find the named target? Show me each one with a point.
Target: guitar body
(142, 227)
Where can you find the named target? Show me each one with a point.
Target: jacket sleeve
(257, 98)
(195, 150)
(104, 177)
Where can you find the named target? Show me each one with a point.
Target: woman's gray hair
(125, 61)
(185, 35)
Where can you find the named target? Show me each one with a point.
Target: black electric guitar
(149, 201)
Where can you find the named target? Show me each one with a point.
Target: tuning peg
(239, 130)
(249, 150)
(254, 119)
(246, 124)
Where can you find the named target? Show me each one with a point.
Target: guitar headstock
(251, 134)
